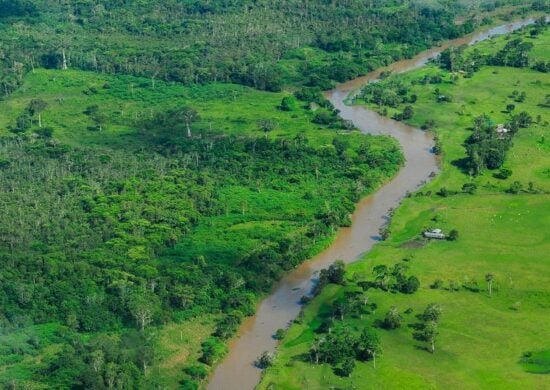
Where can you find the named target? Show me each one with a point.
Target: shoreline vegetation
(129, 172)
(488, 279)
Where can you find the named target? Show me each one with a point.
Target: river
(237, 370)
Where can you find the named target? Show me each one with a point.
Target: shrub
(443, 192)
(515, 188)
(265, 360)
(503, 173)
(411, 286)
(438, 283)
(196, 371)
(453, 235)
(469, 188)
(188, 384)
(279, 334)
(392, 320)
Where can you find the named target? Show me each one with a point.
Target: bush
(392, 320)
(443, 192)
(288, 103)
(265, 360)
(453, 235)
(279, 334)
(503, 173)
(411, 286)
(438, 283)
(469, 188)
(188, 384)
(196, 372)
(515, 188)
(45, 132)
(408, 113)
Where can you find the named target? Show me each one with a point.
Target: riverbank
(482, 338)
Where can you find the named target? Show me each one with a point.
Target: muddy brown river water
(237, 370)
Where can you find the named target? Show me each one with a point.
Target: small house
(434, 233)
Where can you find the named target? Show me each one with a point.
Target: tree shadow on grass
(422, 348)
(416, 326)
(461, 164)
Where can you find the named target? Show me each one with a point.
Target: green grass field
(482, 338)
(126, 100)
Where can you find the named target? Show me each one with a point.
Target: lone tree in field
(36, 106)
(428, 333)
(392, 319)
(266, 126)
(489, 279)
(368, 346)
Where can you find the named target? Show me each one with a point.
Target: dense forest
(266, 44)
(120, 190)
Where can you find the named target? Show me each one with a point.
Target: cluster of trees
(253, 43)
(469, 284)
(393, 279)
(105, 362)
(31, 116)
(336, 344)
(390, 92)
(455, 59)
(515, 54)
(333, 274)
(342, 347)
(486, 147)
(325, 113)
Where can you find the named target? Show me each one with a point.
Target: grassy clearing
(482, 338)
(126, 100)
(179, 347)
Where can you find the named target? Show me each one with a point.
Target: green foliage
(197, 372)
(265, 360)
(514, 53)
(212, 351)
(392, 320)
(453, 235)
(432, 312)
(333, 274)
(503, 173)
(515, 188)
(469, 188)
(229, 325)
(279, 334)
(257, 44)
(394, 279)
(289, 103)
